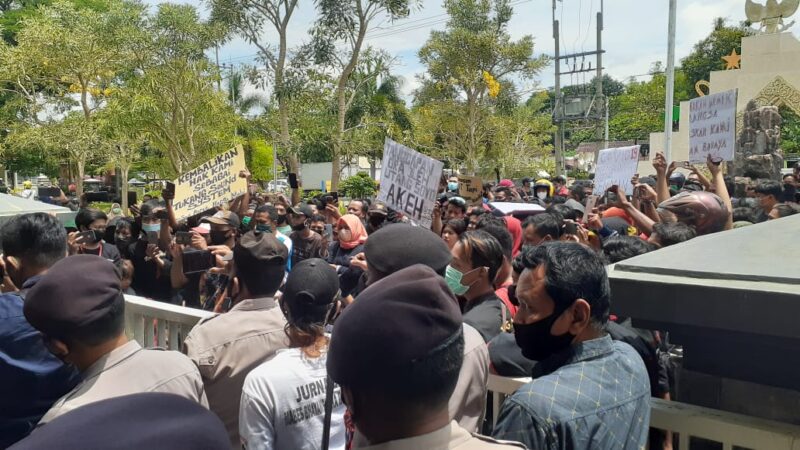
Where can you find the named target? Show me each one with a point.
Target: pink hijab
(358, 234)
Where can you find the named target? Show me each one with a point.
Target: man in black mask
(563, 296)
(223, 228)
(305, 243)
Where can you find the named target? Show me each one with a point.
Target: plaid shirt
(596, 395)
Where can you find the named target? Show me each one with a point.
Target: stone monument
(758, 153)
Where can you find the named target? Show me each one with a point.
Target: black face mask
(263, 228)
(299, 227)
(281, 219)
(218, 237)
(536, 341)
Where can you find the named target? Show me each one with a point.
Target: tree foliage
(707, 54)
(473, 54)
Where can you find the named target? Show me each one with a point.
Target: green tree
(470, 60)
(64, 52)
(247, 18)
(360, 185)
(241, 102)
(522, 143)
(260, 161)
(337, 43)
(707, 54)
(171, 93)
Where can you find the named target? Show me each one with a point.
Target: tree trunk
(80, 164)
(124, 173)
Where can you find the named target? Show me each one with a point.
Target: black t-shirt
(148, 280)
(106, 250)
(486, 314)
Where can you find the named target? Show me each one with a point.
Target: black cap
(394, 322)
(75, 292)
(312, 282)
(256, 248)
(223, 218)
(302, 208)
(151, 420)
(398, 246)
(379, 208)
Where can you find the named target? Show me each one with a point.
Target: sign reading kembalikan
(212, 184)
(409, 182)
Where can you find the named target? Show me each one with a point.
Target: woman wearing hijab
(351, 237)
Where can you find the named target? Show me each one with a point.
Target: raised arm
(718, 181)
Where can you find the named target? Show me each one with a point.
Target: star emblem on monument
(732, 61)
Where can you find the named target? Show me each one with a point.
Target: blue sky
(635, 32)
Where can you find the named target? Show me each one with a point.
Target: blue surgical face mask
(452, 186)
(453, 279)
(148, 227)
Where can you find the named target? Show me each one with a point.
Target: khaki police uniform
(449, 437)
(130, 369)
(468, 402)
(226, 347)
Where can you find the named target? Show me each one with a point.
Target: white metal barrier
(159, 324)
(731, 430)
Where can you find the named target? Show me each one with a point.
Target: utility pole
(670, 82)
(559, 104)
(578, 107)
(599, 80)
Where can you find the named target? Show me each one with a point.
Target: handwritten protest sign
(712, 127)
(214, 183)
(471, 189)
(616, 166)
(409, 182)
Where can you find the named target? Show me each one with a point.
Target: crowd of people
(353, 328)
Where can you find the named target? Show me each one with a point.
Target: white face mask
(541, 195)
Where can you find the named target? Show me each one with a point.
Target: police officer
(396, 376)
(151, 421)
(80, 310)
(228, 346)
(397, 246)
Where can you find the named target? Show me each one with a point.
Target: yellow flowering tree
(467, 63)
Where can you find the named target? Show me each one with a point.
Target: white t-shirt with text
(283, 404)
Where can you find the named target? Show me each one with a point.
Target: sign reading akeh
(712, 127)
(409, 182)
(214, 183)
(616, 167)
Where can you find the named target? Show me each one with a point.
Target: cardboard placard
(212, 184)
(616, 166)
(409, 182)
(712, 127)
(470, 189)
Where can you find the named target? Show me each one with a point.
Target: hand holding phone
(183, 238)
(293, 181)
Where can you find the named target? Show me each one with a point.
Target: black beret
(75, 292)
(398, 246)
(313, 282)
(394, 322)
(256, 248)
(152, 421)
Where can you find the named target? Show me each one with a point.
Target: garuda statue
(772, 14)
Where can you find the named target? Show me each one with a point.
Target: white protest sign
(616, 167)
(409, 182)
(712, 127)
(214, 183)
